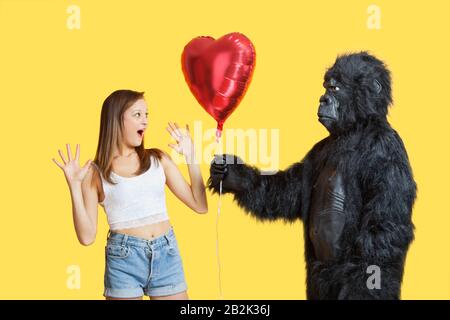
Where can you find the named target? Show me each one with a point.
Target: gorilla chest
(326, 215)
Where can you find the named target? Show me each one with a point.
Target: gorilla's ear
(377, 86)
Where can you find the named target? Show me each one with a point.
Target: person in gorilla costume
(354, 190)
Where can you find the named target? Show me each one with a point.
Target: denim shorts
(136, 266)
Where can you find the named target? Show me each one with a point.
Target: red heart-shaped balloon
(218, 72)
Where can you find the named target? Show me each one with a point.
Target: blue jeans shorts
(135, 266)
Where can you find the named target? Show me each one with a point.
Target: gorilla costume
(354, 190)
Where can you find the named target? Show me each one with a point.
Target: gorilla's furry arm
(264, 196)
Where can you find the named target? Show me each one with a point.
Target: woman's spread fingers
(172, 133)
(77, 153)
(57, 163)
(177, 129)
(69, 152)
(174, 129)
(62, 156)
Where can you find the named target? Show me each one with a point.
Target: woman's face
(135, 120)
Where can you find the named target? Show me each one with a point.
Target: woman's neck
(125, 153)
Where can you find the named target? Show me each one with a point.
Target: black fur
(378, 180)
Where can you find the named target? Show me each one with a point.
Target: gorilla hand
(226, 168)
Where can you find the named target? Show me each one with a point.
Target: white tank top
(136, 201)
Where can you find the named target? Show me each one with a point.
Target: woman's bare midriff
(148, 232)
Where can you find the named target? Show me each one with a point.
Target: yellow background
(53, 81)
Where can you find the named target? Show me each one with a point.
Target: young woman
(142, 256)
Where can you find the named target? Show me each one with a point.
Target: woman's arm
(193, 195)
(83, 194)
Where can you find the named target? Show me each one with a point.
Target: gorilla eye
(334, 88)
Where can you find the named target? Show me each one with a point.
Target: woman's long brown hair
(111, 128)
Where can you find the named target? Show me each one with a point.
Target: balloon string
(217, 239)
(217, 229)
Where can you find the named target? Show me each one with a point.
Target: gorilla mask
(358, 88)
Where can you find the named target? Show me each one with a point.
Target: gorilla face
(328, 112)
(357, 88)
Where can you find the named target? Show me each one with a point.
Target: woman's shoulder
(159, 154)
(156, 151)
(165, 160)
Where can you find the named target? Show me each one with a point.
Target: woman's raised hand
(184, 144)
(72, 170)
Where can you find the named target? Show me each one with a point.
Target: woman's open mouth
(140, 133)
